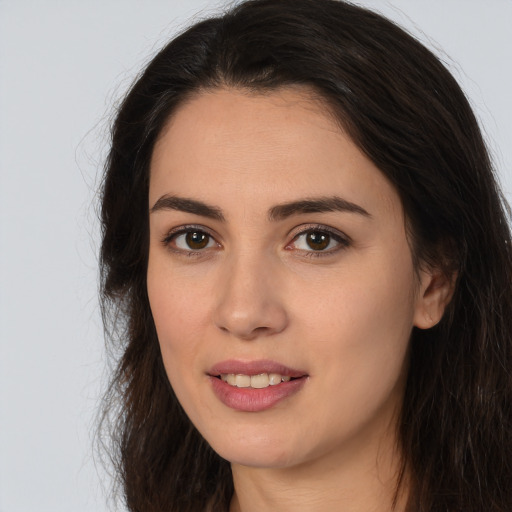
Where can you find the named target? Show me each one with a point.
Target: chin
(255, 451)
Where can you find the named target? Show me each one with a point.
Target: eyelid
(340, 237)
(183, 229)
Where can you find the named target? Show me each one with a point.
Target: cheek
(179, 309)
(178, 318)
(361, 332)
(177, 297)
(366, 336)
(375, 297)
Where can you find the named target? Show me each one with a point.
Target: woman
(307, 261)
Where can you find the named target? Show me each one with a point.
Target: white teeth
(263, 380)
(274, 378)
(260, 381)
(242, 381)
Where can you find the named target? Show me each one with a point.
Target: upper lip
(239, 367)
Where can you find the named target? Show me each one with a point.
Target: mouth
(255, 385)
(254, 374)
(260, 381)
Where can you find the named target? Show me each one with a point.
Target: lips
(254, 385)
(254, 368)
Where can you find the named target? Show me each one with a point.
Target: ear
(434, 294)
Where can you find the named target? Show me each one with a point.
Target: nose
(250, 302)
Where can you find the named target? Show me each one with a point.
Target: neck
(362, 479)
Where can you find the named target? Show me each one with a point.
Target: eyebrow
(315, 205)
(275, 213)
(189, 206)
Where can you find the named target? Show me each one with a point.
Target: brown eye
(197, 240)
(320, 242)
(190, 240)
(317, 240)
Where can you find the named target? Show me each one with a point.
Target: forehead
(245, 120)
(224, 144)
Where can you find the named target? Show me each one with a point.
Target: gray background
(63, 64)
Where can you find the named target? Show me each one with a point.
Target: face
(280, 279)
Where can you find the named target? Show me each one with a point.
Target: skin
(257, 290)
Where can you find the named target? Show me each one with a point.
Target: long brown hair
(409, 116)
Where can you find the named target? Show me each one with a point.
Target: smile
(254, 386)
(263, 380)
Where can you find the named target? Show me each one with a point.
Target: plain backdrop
(63, 65)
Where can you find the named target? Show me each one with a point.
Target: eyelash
(342, 240)
(184, 230)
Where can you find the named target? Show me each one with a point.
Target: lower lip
(254, 400)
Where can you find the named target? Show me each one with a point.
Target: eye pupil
(197, 240)
(317, 240)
